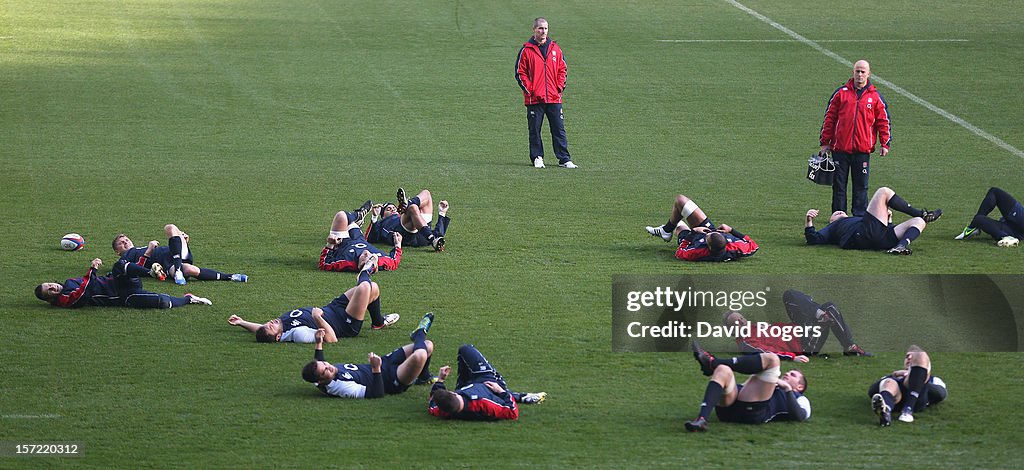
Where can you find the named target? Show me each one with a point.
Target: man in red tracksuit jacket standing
(540, 71)
(855, 115)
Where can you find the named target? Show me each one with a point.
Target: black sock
(175, 245)
(178, 301)
(374, 308)
(212, 275)
(669, 226)
(915, 385)
(746, 364)
(419, 339)
(910, 235)
(415, 201)
(888, 399)
(897, 203)
(712, 395)
(363, 276)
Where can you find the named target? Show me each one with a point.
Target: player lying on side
(342, 318)
(388, 375)
(1008, 230)
(411, 218)
(121, 288)
(699, 238)
(347, 248)
(873, 231)
(480, 393)
(176, 258)
(767, 395)
(909, 390)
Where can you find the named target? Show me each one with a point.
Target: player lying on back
(480, 393)
(121, 288)
(388, 375)
(176, 257)
(873, 231)
(411, 218)
(699, 238)
(909, 390)
(342, 318)
(347, 248)
(766, 396)
(1008, 230)
(805, 313)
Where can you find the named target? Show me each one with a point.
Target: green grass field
(249, 123)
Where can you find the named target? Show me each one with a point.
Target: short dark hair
(445, 400)
(716, 242)
(262, 336)
(803, 380)
(40, 295)
(113, 243)
(309, 373)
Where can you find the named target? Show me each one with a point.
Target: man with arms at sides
(855, 115)
(121, 288)
(699, 239)
(480, 393)
(342, 318)
(388, 375)
(767, 395)
(176, 258)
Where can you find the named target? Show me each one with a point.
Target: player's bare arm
(318, 316)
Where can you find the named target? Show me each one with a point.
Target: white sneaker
(538, 162)
(179, 278)
(659, 232)
(195, 299)
(534, 398)
(238, 277)
(569, 164)
(1008, 241)
(906, 416)
(389, 319)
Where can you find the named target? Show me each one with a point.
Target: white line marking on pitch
(814, 40)
(941, 112)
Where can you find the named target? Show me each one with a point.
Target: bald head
(861, 73)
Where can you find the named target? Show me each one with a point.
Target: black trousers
(850, 166)
(535, 114)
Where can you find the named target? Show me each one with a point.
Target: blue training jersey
(299, 326)
(161, 254)
(351, 381)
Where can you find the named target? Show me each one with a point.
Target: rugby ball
(72, 242)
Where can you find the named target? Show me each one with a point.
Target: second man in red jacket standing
(855, 115)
